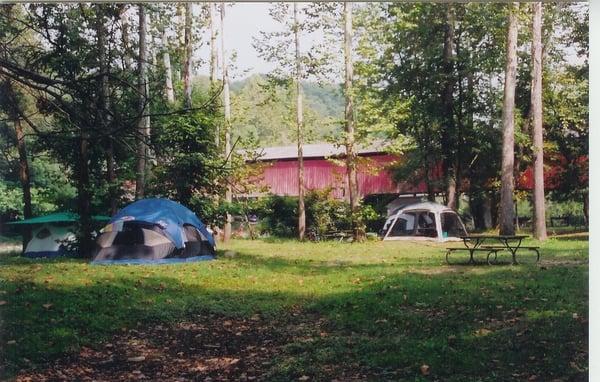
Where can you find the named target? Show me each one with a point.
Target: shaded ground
(211, 348)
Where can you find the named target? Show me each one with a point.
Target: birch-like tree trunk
(539, 207)
(353, 195)
(128, 61)
(299, 127)
(187, 66)
(104, 108)
(214, 60)
(507, 209)
(227, 122)
(144, 120)
(169, 92)
(451, 163)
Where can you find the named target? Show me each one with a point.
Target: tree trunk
(448, 140)
(487, 212)
(128, 61)
(299, 127)
(83, 198)
(353, 192)
(586, 208)
(144, 120)
(104, 108)
(187, 66)
(168, 71)
(507, 212)
(24, 178)
(227, 115)
(214, 61)
(539, 208)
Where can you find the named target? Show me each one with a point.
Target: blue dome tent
(154, 231)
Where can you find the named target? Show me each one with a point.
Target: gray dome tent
(423, 221)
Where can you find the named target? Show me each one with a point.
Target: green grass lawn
(369, 311)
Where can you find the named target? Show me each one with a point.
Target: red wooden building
(324, 167)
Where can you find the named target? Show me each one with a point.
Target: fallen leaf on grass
(424, 369)
(482, 332)
(304, 378)
(47, 306)
(3, 302)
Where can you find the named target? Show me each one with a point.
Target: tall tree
(143, 128)
(299, 125)
(187, 66)
(227, 117)
(104, 104)
(449, 146)
(507, 209)
(539, 205)
(353, 194)
(170, 93)
(11, 103)
(127, 59)
(214, 58)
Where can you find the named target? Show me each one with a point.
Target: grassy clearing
(387, 308)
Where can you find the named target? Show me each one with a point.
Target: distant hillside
(272, 121)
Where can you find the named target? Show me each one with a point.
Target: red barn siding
(373, 177)
(281, 176)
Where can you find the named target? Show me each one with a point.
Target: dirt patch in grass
(209, 348)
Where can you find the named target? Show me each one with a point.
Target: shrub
(278, 215)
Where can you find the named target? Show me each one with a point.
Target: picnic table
(510, 243)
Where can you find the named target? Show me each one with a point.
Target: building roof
(316, 150)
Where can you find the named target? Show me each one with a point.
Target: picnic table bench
(338, 235)
(511, 243)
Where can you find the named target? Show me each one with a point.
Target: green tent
(52, 233)
(59, 217)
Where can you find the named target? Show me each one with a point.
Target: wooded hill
(261, 114)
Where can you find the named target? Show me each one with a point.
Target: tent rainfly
(423, 221)
(52, 234)
(154, 231)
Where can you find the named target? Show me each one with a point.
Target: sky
(243, 22)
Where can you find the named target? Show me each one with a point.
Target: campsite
(307, 191)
